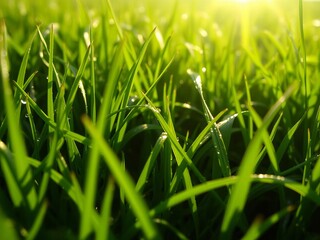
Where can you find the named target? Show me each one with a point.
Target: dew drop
(154, 109)
(24, 102)
(164, 136)
(133, 100)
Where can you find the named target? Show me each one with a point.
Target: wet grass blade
(224, 182)
(218, 143)
(240, 190)
(174, 141)
(138, 205)
(21, 172)
(72, 135)
(76, 82)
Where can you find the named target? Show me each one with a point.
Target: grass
(159, 120)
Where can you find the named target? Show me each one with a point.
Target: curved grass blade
(267, 140)
(21, 169)
(121, 125)
(218, 142)
(287, 139)
(74, 136)
(173, 139)
(50, 104)
(150, 162)
(137, 203)
(105, 218)
(8, 172)
(240, 190)
(191, 151)
(72, 189)
(38, 221)
(76, 83)
(232, 180)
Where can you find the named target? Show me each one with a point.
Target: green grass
(159, 120)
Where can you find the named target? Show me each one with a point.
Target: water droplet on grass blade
(23, 101)
(133, 100)
(154, 109)
(164, 136)
(196, 80)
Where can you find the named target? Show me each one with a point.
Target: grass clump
(171, 120)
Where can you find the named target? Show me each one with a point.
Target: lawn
(163, 119)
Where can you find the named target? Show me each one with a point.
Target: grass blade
(106, 212)
(258, 228)
(38, 221)
(218, 143)
(50, 104)
(232, 180)
(143, 178)
(137, 203)
(21, 168)
(72, 135)
(240, 190)
(173, 139)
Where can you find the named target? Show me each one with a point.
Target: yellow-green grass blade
(93, 104)
(72, 189)
(137, 203)
(141, 100)
(179, 158)
(241, 189)
(121, 125)
(72, 135)
(111, 88)
(106, 211)
(39, 218)
(20, 167)
(174, 141)
(244, 130)
(48, 165)
(208, 186)
(43, 41)
(76, 82)
(191, 151)
(315, 178)
(218, 143)
(21, 76)
(267, 140)
(170, 227)
(148, 167)
(6, 158)
(7, 226)
(287, 139)
(249, 102)
(50, 104)
(33, 128)
(92, 168)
